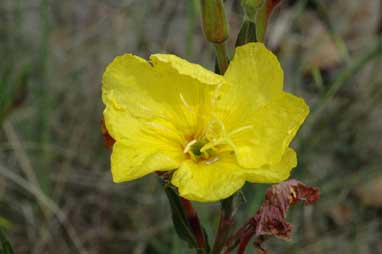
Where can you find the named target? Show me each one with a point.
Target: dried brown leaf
(270, 218)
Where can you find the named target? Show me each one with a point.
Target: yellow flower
(213, 132)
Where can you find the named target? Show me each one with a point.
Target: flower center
(196, 153)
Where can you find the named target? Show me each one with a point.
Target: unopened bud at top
(214, 20)
(251, 6)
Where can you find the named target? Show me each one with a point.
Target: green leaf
(247, 33)
(182, 227)
(208, 249)
(238, 200)
(13, 86)
(5, 246)
(4, 223)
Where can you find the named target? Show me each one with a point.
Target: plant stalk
(196, 228)
(221, 57)
(226, 224)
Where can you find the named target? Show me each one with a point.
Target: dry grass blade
(46, 203)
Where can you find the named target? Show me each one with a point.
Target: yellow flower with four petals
(212, 132)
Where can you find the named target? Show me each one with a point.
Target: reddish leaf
(271, 5)
(108, 140)
(270, 218)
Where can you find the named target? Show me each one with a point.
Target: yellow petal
(208, 182)
(150, 109)
(131, 160)
(188, 88)
(125, 84)
(171, 89)
(269, 130)
(259, 117)
(274, 173)
(167, 63)
(254, 75)
(121, 124)
(141, 146)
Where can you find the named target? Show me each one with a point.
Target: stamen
(114, 101)
(220, 141)
(158, 126)
(230, 143)
(189, 145)
(216, 93)
(184, 101)
(212, 144)
(212, 160)
(241, 129)
(218, 122)
(221, 124)
(172, 133)
(146, 109)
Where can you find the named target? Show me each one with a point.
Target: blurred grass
(56, 193)
(43, 99)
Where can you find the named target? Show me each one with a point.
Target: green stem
(221, 56)
(190, 27)
(261, 23)
(226, 224)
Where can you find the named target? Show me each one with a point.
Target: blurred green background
(56, 193)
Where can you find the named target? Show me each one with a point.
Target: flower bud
(251, 6)
(214, 20)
